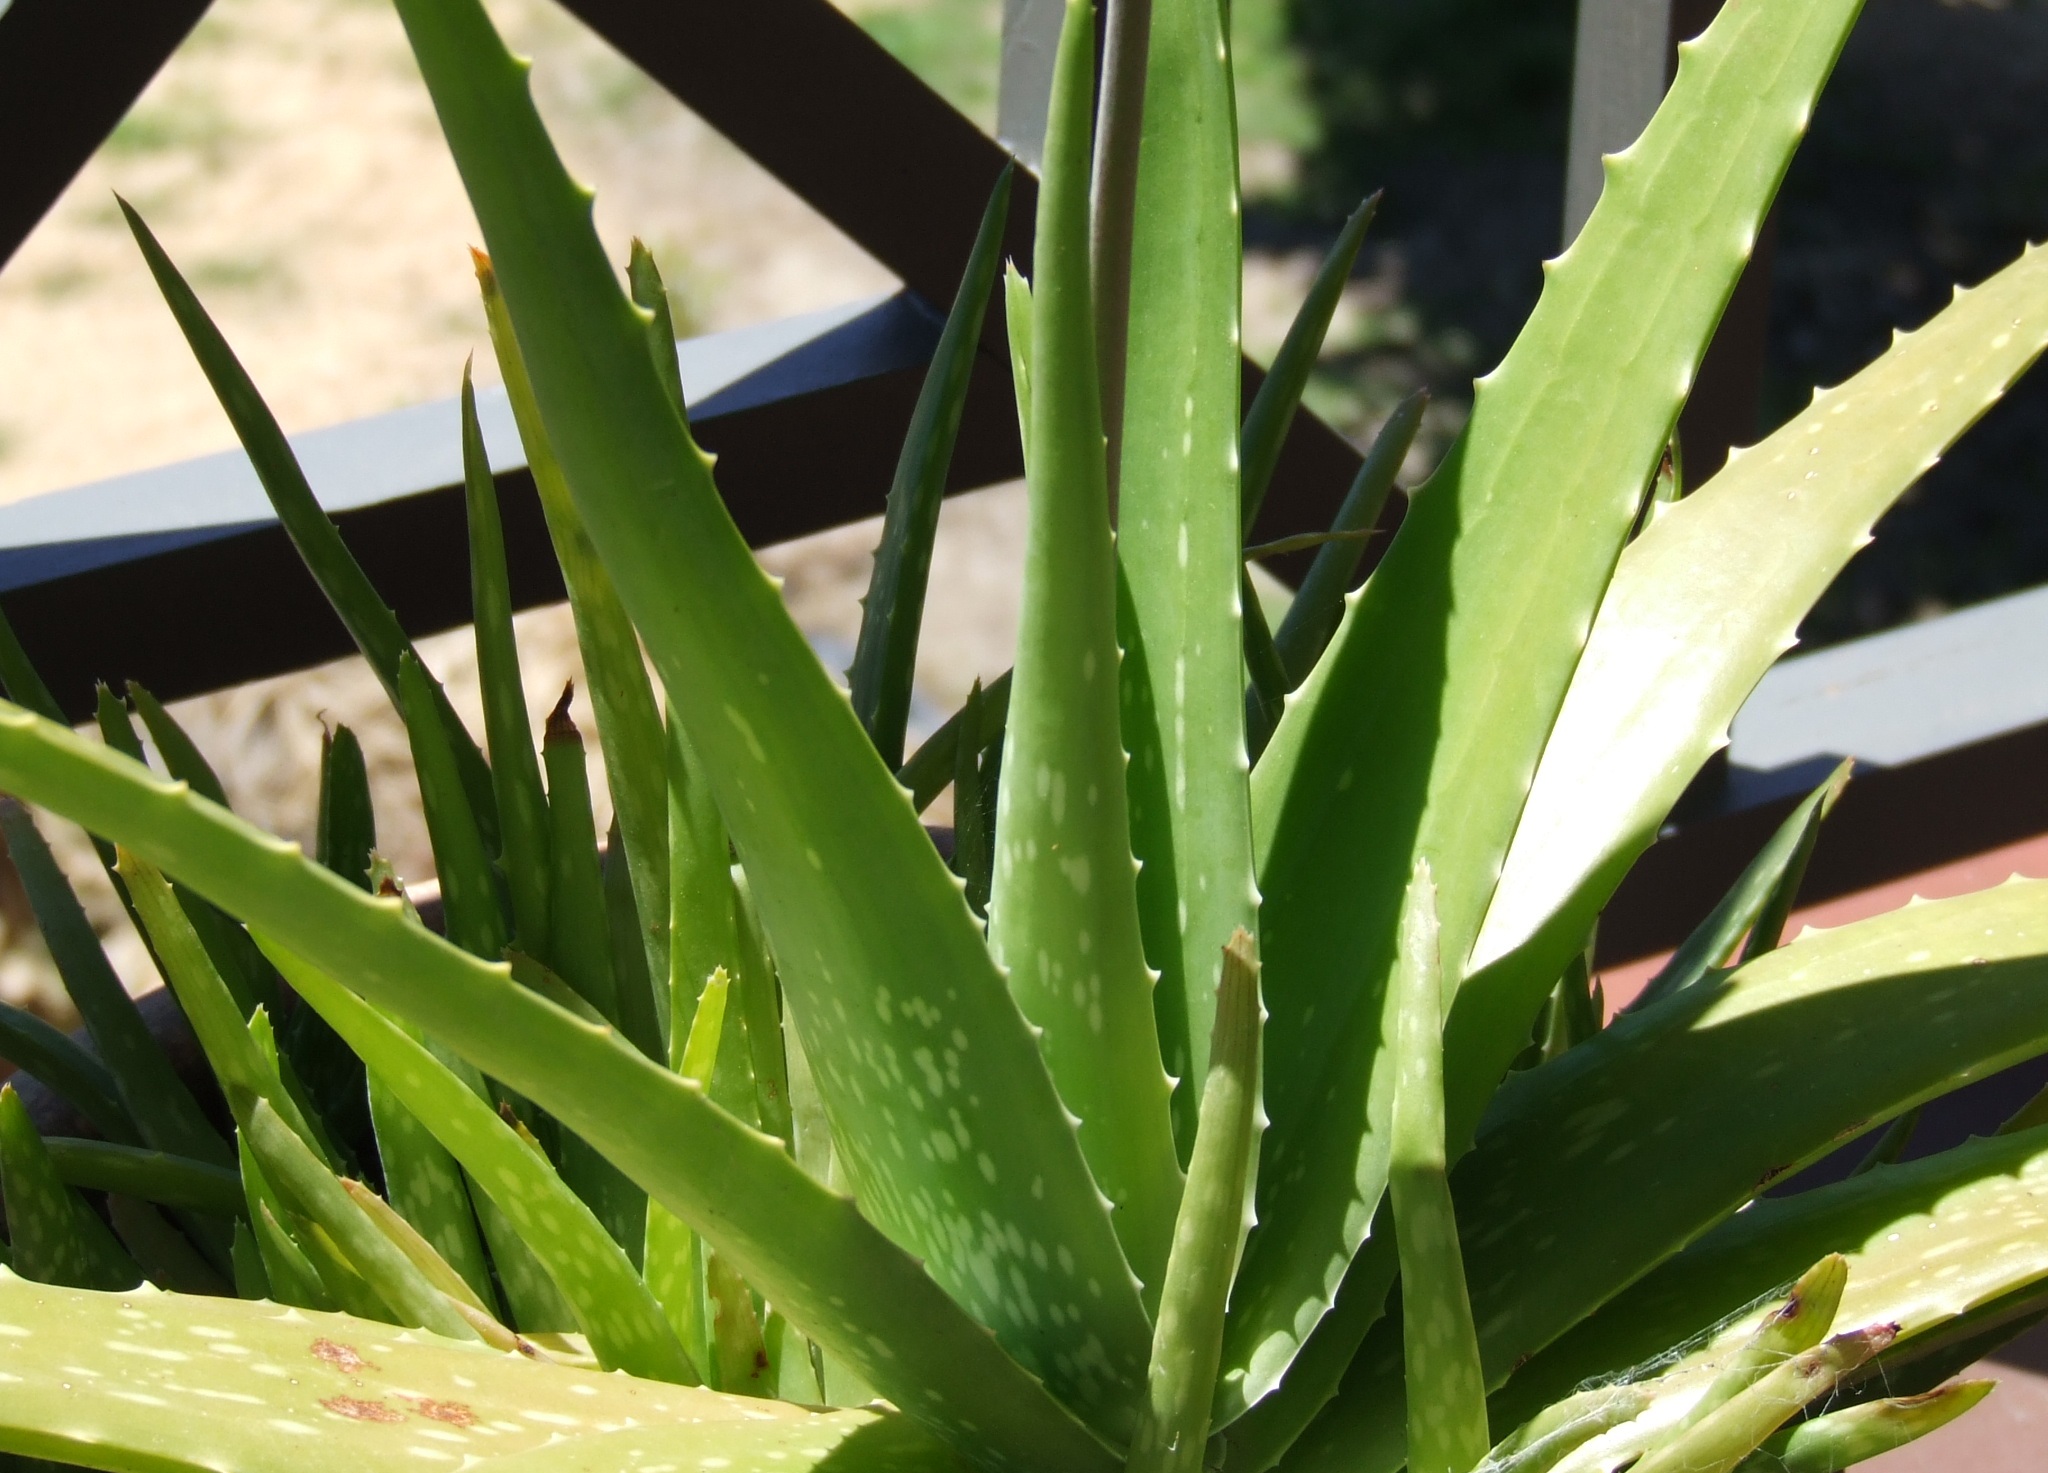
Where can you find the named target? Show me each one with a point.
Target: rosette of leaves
(1236, 1094)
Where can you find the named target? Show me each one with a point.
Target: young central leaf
(1178, 540)
(1063, 912)
(950, 1130)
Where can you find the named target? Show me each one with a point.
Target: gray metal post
(1619, 73)
(1031, 37)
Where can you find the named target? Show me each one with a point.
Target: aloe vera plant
(1208, 1111)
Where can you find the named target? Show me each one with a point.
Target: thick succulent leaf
(1187, 1339)
(1178, 539)
(1927, 1242)
(1063, 906)
(182, 757)
(1440, 1352)
(1593, 1169)
(34, 1047)
(1768, 883)
(628, 713)
(876, 945)
(885, 656)
(1418, 731)
(470, 903)
(155, 1099)
(222, 1386)
(1840, 1439)
(1273, 408)
(581, 952)
(368, 618)
(807, 1250)
(1317, 605)
(933, 765)
(427, 1189)
(1017, 318)
(346, 836)
(175, 1181)
(625, 1325)
(1711, 594)
(515, 770)
(306, 1184)
(52, 1235)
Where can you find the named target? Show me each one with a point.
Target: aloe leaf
(704, 932)
(675, 1257)
(582, 954)
(1844, 1027)
(1273, 408)
(1892, 1144)
(1730, 1433)
(1712, 593)
(799, 1245)
(1063, 905)
(165, 1255)
(1305, 631)
(1562, 1428)
(1446, 1391)
(1179, 546)
(739, 1352)
(1301, 542)
(1841, 1439)
(1798, 1325)
(643, 1008)
(1017, 314)
(241, 966)
(421, 1254)
(361, 1395)
(24, 684)
(1899, 1228)
(885, 656)
(1417, 732)
(347, 832)
(368, 618)
(973, 819)
(1769, 882)
(625, 1325)
(427, 1189)
(154, 1098)
(1267, 697)
(469, 895)
(1123, 85)
(152, 1176)
(308, 1185)
(1187, 1338)
(515, 771)
(643, 279)
(935, 764)
(52, 1236)
(182, 757)
(861, 908)
(628, 716)
(761, 1008)
(223, 1033)
(287, 1273)
(34, 1047)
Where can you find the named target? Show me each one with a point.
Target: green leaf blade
(1416, 735)
(53, 1237)
(1179, 545)
(887, 937)
(1063, 903)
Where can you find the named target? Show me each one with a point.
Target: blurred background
(288, 158)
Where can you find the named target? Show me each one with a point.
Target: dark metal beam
(69, 72)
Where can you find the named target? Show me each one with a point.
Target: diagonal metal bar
(69, 72)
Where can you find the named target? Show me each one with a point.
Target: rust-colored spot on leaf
(341, 1357)
(358, 1410)
(454, 1413)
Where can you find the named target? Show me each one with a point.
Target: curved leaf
(1063, 904)
(1593, 1169)
(880, 956)
(809, 1251)
(224, 1386)
(1417, 734)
